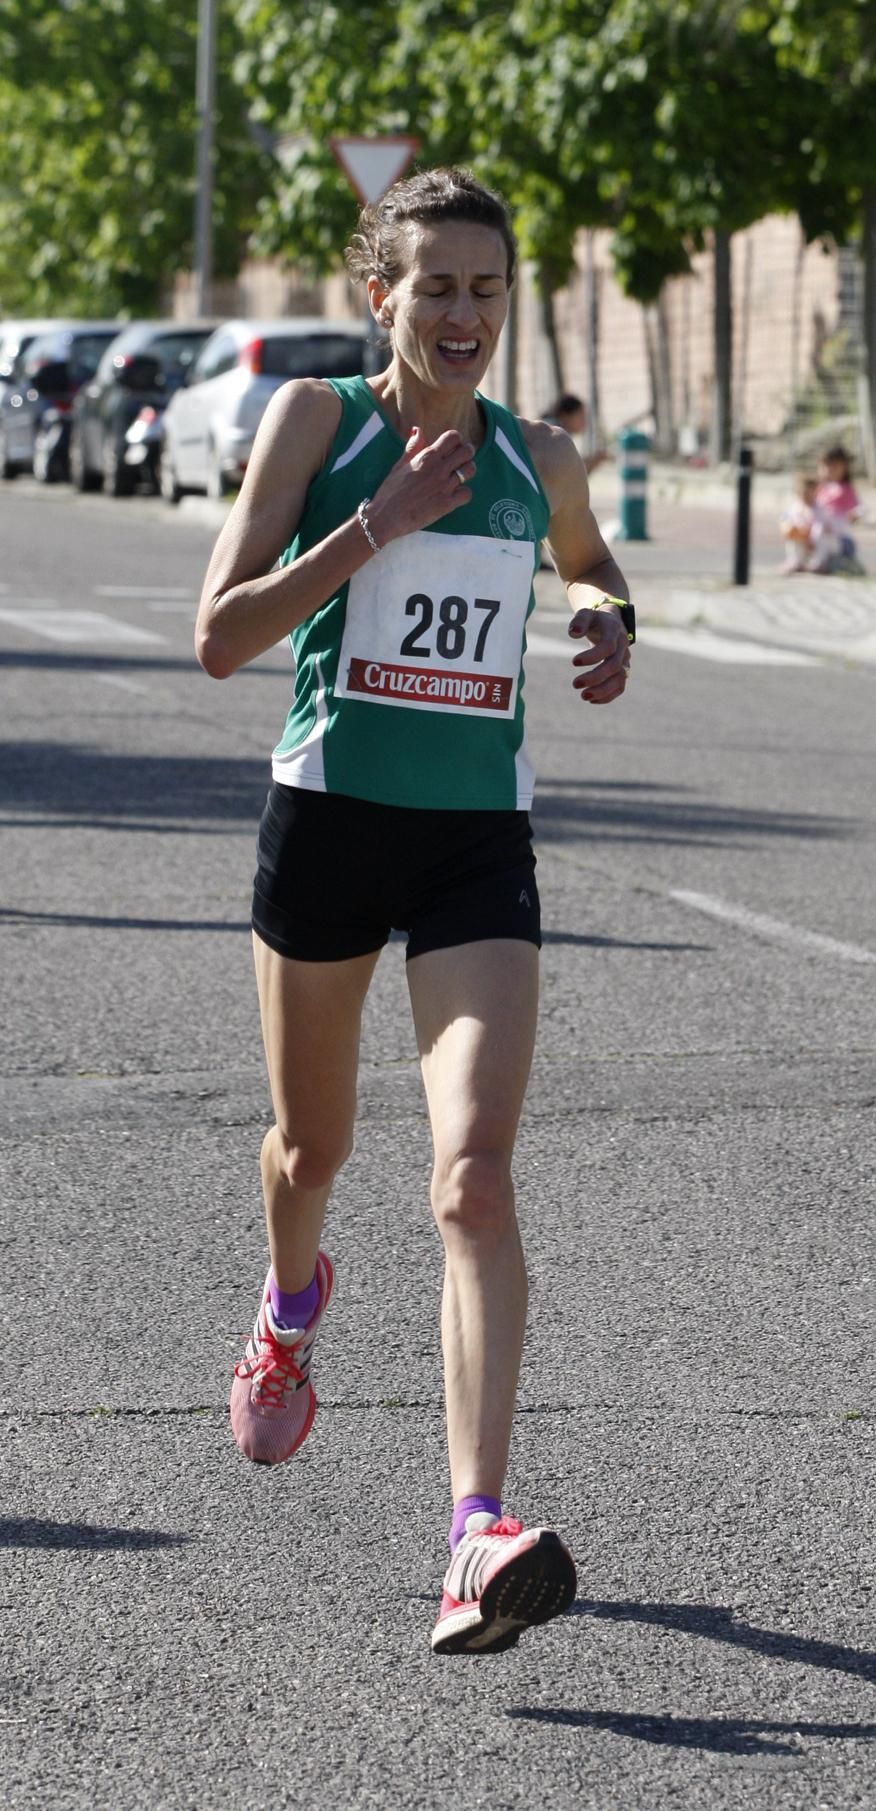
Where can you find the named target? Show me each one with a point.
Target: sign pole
(205, 83)
(371, 166)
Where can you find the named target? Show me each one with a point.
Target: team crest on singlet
(510, 520)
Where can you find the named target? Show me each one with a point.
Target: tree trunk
(658, 353)
(740, 387)
(549, 325)
(663, 350)
(651, 362)
(867, 388)
(796, 310)
(722, 395)
(510, 338)
(591, 304)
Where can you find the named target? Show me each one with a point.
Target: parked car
(210, 423)
(15, 337)
(36, 402)
(143, 366)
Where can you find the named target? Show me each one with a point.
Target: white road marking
(775, 930)
(124, 685)
(77, 626)
(702, 643)
(732, 650)
(176, 591)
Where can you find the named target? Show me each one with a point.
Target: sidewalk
(834, 618)
(672, 482)
(679, 577)
(691, 521)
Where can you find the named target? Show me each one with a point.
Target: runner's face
(448, 309)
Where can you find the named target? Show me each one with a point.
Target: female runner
(406, 513)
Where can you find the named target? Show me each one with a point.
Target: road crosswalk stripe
(76, 626)
(775, 930)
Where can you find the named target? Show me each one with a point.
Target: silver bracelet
(364, 521)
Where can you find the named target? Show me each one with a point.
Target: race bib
(435, 623)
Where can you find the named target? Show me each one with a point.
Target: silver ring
(460, 474)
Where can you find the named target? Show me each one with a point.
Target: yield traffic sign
(372, 165)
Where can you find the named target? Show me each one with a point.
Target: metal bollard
(633, 468)
(742, 546)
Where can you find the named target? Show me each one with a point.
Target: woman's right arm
(246, 606)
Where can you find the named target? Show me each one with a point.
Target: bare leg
(311, 1013)
(475, 1009)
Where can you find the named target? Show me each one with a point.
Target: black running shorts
(336, 875)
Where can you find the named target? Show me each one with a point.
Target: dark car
(142, 368)
(37, 399)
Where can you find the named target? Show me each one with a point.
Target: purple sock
(294, 1310)
(469, 1506)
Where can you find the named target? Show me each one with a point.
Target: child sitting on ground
(837, 501)
(802, 525)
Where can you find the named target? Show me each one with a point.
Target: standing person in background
(405, 512)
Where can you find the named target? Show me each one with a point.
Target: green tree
(831, 48)
(688, 115)
(97, 154)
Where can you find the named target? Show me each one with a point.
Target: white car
(210, 424)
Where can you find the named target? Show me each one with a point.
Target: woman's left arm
(587, 568)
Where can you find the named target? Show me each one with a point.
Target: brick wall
(780, 314)
(786, 300)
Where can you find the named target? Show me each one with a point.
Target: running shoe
(272, 1399)
(502, 1579)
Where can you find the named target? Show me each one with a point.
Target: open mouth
(459, 352)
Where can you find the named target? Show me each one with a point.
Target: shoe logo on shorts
(524, 899)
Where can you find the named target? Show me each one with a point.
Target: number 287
(450, 636)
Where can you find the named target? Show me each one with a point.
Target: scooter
(143, 443)
(51, 447)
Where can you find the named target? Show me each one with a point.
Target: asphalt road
(695, 1176)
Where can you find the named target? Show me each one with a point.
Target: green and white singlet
(409, 681)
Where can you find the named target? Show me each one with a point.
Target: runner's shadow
(42, 1532)
(718, 1623)
(718, 1735)
(591, 811)
(618, 943)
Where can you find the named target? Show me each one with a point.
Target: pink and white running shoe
(272, 1399)
(502, 1579)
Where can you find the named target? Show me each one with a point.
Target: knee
(310, 1164)
(473, 1197)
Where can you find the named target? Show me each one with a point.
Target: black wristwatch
(627, 614)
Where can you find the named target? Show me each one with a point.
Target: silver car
(210, 424)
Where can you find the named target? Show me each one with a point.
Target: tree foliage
(97, 153)
(667, 125)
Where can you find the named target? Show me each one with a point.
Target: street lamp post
(205, 98)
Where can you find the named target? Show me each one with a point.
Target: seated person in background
(802, 524)
(839, 505)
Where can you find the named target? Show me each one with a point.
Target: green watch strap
(627, 614)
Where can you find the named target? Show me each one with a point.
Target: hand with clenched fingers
(429, 480)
